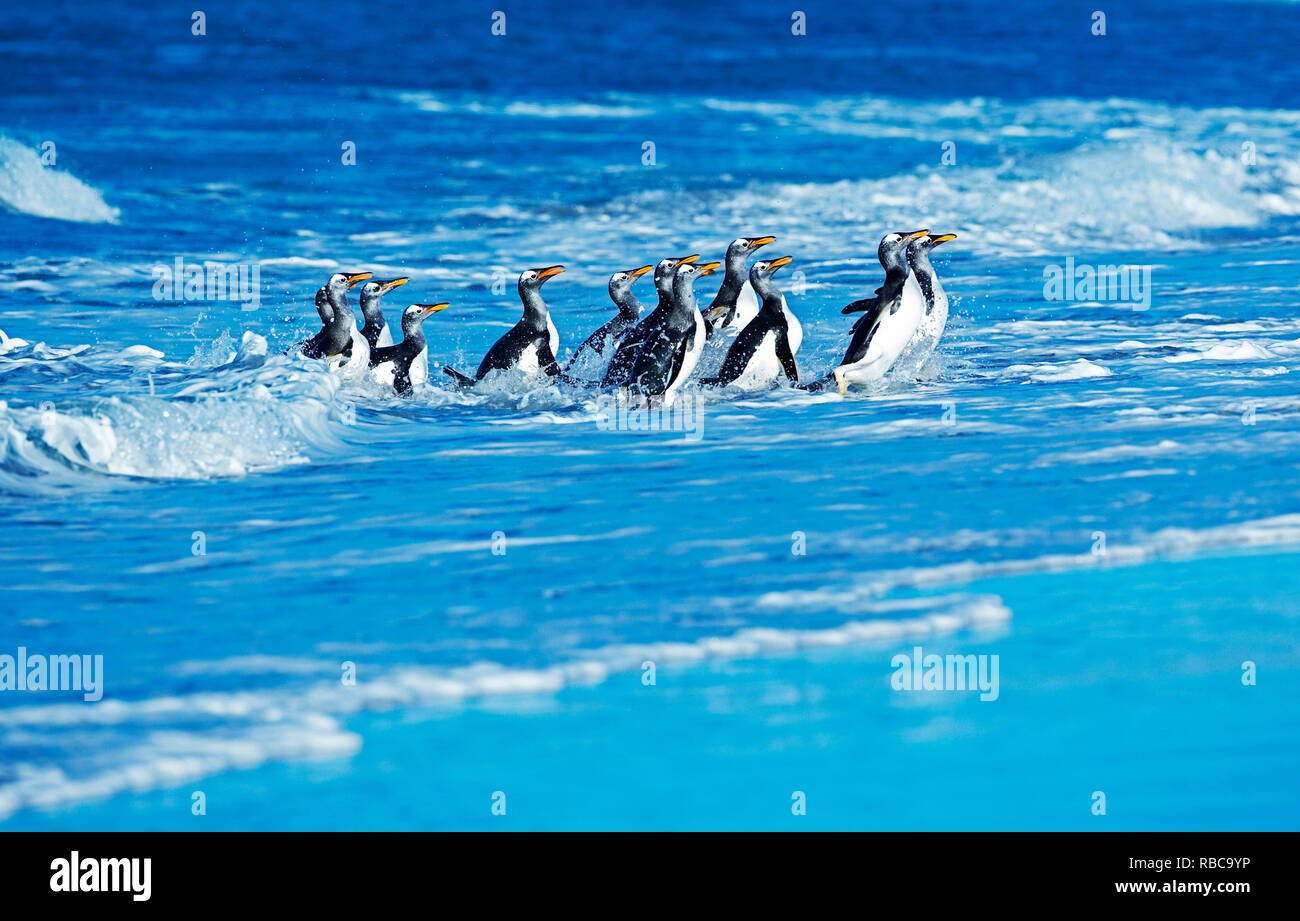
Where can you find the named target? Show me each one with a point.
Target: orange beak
(549, 271)
(355, 277)
(390, 285)
(707, 268)
(432, 308)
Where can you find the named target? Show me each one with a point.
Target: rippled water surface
(1100, 493)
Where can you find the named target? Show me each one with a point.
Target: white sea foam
(251, 414)
(135, 745)
(1071, 371)
(29, 187)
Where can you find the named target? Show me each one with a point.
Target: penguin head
(620, 282)
(347, 279)
(532, 279)
(665, 271)
(894, 245)
(414, 315)
(930, 241)
(760, 273)
(687, 273)
(374, 290)
(739, 250)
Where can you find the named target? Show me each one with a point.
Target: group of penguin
(651, 356)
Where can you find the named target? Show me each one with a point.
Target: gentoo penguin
(892, 254)
(927, 336)
(672, 351)
(765, 348)
(341, 343)
(376, 328)
(883, 333)
(736, 304)
(311, 347)
(406, 363)
(607, 337)
(620, 366)
(531, 343)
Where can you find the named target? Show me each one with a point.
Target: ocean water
(1101, 493)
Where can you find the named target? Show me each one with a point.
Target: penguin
(620, 366)
(530, 345)
(765, 348)
(892, 255)
(407, 363)
(736, 304)
(341, 343)
(927, 335)
(376, 328)
(883, 332)
(311, 347)
(607, 337)
(671, 352)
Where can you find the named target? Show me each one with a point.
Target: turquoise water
(1102, 496)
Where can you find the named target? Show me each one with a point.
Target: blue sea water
(1101, 495)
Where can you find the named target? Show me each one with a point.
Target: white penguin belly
(355, 367)
(420, 367)
(928, 334)
(763, 367)
(747, 305)
(689, 360)
(527, 361)
(382, 374)
(891, 338)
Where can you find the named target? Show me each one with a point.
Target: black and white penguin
(669, 356)
(375, 328)
(927, 335)
(892, 253)
(882, 334)
(341, 343)
(736, 303)
(530, 345)
(605, 340)
(765, 348)
(405, 364)
(620, 366)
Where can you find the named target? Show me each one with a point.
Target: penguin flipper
(546, 360)
(460, 379)
(859, 306)
(311, 347)
(786, 357)
(818, 385)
